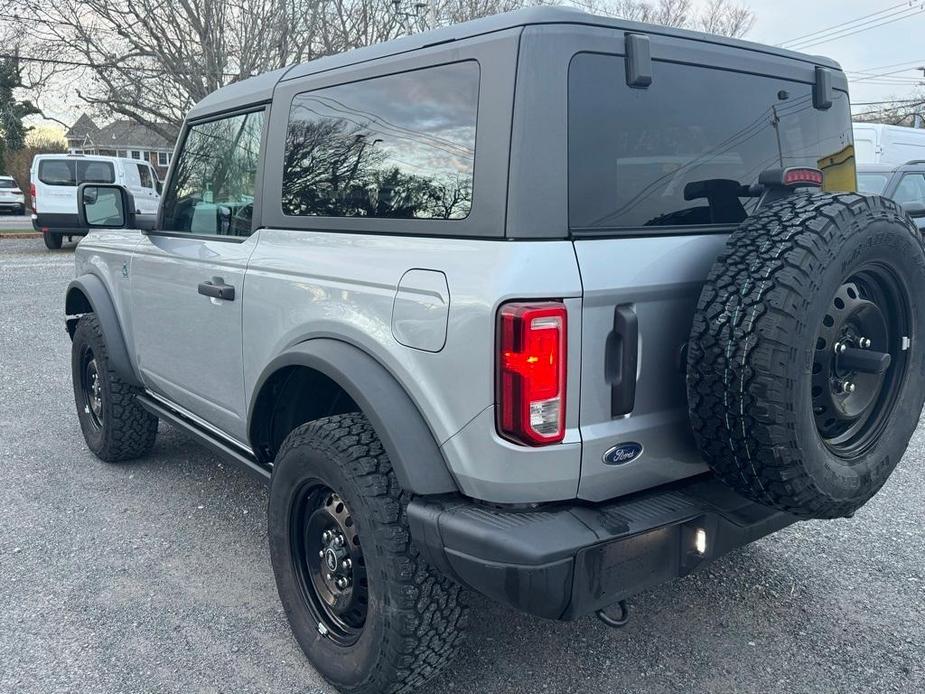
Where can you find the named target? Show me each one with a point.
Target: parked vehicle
(905, 184)
(12, 200)
(875, 143)
(55, 177)
(554, 343)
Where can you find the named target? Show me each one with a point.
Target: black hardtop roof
(260, 88)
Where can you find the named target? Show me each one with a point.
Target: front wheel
(367, 610)
(114, 425)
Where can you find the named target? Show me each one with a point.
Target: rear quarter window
(674, 153)
(398, 146)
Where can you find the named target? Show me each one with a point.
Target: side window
(145, 174)
(95, 172)
(400, 146)
(910, 189)
(213, 184)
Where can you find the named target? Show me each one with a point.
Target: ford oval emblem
(623, 453)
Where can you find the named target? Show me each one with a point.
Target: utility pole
(917, 117)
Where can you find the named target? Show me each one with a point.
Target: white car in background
(54, 180)
(12, 199)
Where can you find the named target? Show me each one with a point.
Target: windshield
(668, 156)
(872, 183)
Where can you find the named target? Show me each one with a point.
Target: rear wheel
(52, 240)
(806, 372)
(369, 613)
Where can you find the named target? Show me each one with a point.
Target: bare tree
(150, 60)
(909, 110)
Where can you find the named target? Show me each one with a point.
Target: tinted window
(910, 189)
(7, 183)
(398, 146)
(144, 174)
(872, 183)
(212, 189)
(70, 172)
(677, 152)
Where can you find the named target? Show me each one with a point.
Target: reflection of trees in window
(333, 170)
(399, 146)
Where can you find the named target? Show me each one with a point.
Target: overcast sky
(898, 42)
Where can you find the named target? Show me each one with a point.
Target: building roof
(260, 88)
(120, 134)
(84, 127)
(126, 134)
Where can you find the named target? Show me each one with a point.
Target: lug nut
(339, 541)
(326, 536)
(347, 564)
(329, 576)
(341, 583)
(847, 387)
(864, 342)
(321, 553)
(840, 347)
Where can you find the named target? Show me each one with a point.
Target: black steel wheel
(860, 360)
(805, 366)
(370, 614)
(114, 425)
(328, 562)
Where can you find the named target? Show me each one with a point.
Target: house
(122, 138)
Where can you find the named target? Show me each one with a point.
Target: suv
(905, 184)
(554, 342)
(11, 196)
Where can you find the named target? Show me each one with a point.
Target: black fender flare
(96, 294)
(410, 444)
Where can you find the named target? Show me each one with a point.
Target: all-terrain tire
(52, 240)
(122, 429)
(416, 616)
(755, 350)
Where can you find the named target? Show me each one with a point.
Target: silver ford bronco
(548, 306)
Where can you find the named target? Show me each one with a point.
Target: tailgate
(639, 295)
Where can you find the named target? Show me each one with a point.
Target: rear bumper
(565, 561)
(58, 223)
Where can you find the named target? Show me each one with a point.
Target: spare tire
(806, 369)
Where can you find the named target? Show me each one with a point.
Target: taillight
(531, 372)
(32, 195)
(795, 176)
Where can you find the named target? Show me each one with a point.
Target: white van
(875, 143)
(55, 177)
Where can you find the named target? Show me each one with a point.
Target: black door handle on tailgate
(622, 357)
(217, 289)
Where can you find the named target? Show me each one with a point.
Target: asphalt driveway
(155, 576)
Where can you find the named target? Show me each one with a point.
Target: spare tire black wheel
(805, 370)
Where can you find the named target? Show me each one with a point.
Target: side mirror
(914, 209)
(105, 206)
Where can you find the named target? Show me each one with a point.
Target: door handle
(217, 289)
(622, 358)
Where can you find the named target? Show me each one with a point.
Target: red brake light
(532, 372)
(795, 176)
(32, 195)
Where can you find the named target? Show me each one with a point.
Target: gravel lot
(155, 576)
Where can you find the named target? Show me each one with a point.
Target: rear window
(7, 183)
(400, 146)
(71, 172)
(676, 152)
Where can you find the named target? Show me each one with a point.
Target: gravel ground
(155, 576)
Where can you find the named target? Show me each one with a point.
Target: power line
(813, 34)
(920, 61)
(857, 30)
